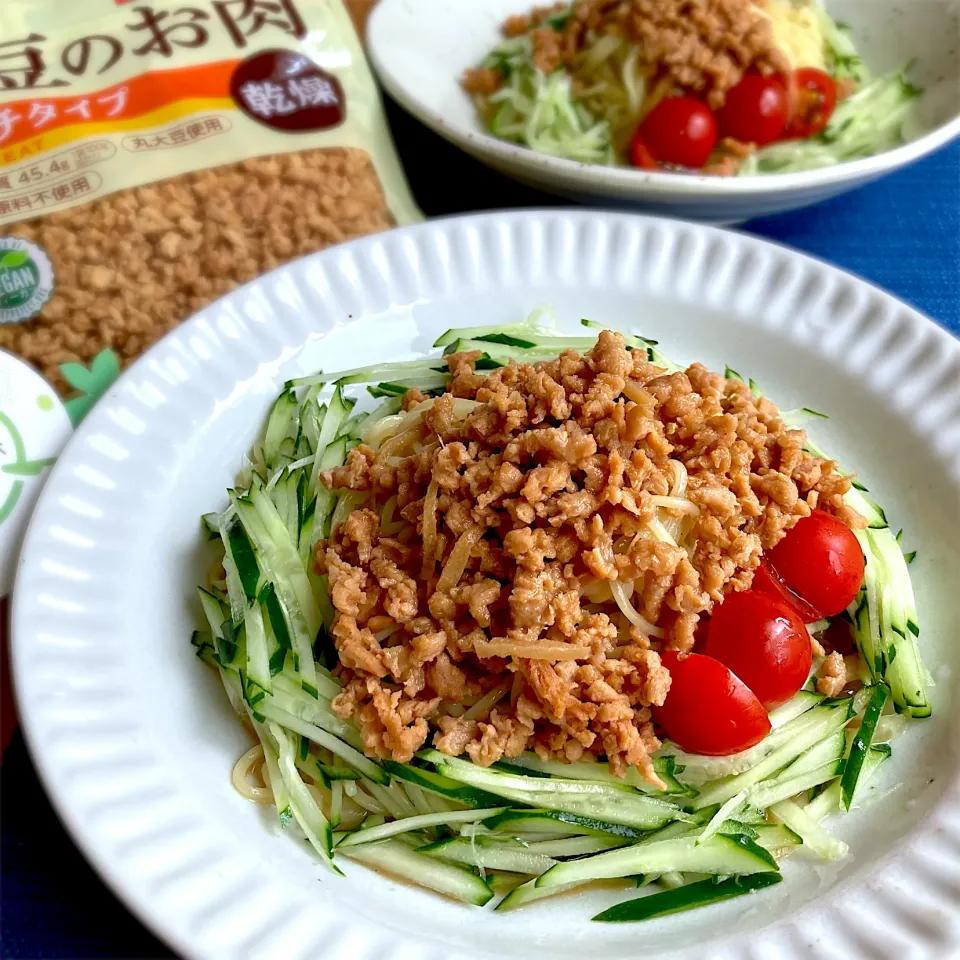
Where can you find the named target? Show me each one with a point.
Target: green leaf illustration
(78, 376)
(105, 368)
(14, 258)
(91, 383)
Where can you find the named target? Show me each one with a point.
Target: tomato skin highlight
(821, 560)
(681, 131)
(813, 98)
(755, 110)
(762, 640)
(767, 580)
(708, 710)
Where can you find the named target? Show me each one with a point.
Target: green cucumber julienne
(607, 801)
(549, 826)
(451, 879)
(722, 854)
(684, 898)
(862, 741)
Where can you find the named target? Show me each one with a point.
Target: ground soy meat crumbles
(699, 47)
(472, 587)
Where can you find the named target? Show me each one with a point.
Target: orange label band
(111, 107)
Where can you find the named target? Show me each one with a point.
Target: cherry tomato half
(755, 110)
(761, 639)
(640, 155)
(708, 710)
(767, 580)
(821, 560)
(680, 130)
(813, 97)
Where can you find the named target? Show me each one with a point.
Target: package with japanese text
(155, 154)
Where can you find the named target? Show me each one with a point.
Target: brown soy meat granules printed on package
(132, 266)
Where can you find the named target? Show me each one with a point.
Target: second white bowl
(420, 49)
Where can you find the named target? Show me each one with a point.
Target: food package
(154, 155)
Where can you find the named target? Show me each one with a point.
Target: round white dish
(420, 49)
(134, 738)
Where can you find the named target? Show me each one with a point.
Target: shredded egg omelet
(797, 31)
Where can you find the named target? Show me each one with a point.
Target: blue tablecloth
(902, 233)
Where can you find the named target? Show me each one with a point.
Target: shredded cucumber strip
(813, 835)
(334, 744)
(304, 808)
(280, 562)
(408, 824)
(451, 879)
(542, 113)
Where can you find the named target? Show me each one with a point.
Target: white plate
(135, 741)
(420, 49)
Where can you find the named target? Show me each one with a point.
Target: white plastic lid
(34, 426)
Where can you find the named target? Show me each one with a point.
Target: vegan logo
(26, 279)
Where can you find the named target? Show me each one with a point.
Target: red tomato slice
(760, 638)
(755, 110)
(679, 130)
(767, 580)
(813, 98)
(708, 710)
(640, 154)
(821, 560)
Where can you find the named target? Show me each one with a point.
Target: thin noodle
(395, 445)
(661, 533)
(622, 597)
(321, 796)
(676, 505)
(382, 430)
(485, 704)
(400, 423)
(242, 770)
